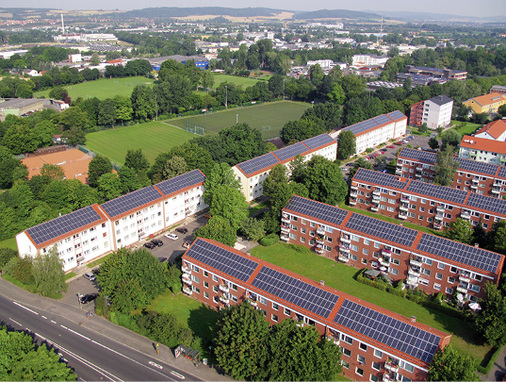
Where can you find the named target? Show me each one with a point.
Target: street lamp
(226, 96)
(78, 300)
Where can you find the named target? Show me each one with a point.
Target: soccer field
(103, 88)
(269, 118)
(153, 138)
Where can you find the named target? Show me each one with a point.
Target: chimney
(413, 318)
(322, 282)
(477, 245)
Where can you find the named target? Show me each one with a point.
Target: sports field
(242, 81)
(153, 138)
(103, 88)
(269, 118)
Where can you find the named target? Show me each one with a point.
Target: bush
(101, 307)
(20, 269)
(124, 320)
(369, 150)
(270, 239)
(6, 254)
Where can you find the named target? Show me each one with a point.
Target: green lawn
(241, 81)
(153, 138)
(9, 243)
(341, 277)
(269, 118)
(465, 128)
(103, 88)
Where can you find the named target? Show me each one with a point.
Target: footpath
(111, 331)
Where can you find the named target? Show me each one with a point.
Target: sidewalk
(111, 331)
(499, 369)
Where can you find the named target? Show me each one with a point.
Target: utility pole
(283, 89)
(226, 96)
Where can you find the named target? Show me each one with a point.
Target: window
(195, 268)
(406, 366)
(196, 279)
(393, 271)
(346, 365)
(361, 359)
(206, 284)
(437, 286)
(359, 371)
(262, 300)
(427, 261)
(373, 378)
(234, 287)
(451, 280)
(449, 290)
(275, 306)
(453, 269)
(287, 312)
(215, 289)
(376, 366)
(215, 278)
(363, 346)
(347, 339)
(347, 352)
(274, 318)
(426, 272)
(440, 266)
(206, 295)
(439, 276)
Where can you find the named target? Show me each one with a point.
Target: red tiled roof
(495, 129)
(483, 144)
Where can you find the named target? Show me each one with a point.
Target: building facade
(378, 130)
(482, 178)
(422, 203)
(495, 130)
(90, 232)
(483, 150)
(220, 276)
(435, 112)
(488, 103)
(253, 172)
(418, 259)
(448, 74)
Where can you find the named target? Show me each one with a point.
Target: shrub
(20, 269)
(124, 320)
(269, 240)
(6, 254)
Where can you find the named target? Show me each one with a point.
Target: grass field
(268, 117)
(241, 81)
(9, 243)
(153, 138)
(465, 128)
(103, 88)
(341, 277)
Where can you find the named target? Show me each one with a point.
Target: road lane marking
(76, 333)
(53, 321)
(24, 307)
(44, 317)
(175, 374)
(17, 323)
(155, 364)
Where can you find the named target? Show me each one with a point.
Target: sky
(482, 8)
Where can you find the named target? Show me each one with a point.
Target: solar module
(435, 191)
(291, 151)
(181, 182)
(502, 172)
(479, 167)
(297, 292)
(379, 178)
(397, 334)
(63, 224)
(465, 254)
(418, 155)
(221, 259)
(318, 141)
(382, 119)
(317, 210)
(382, 229)
(396, 115)
(259, 163)
(131, 201)
(487, 203)
(360, 127)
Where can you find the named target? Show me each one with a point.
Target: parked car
(90, 276)
(411, 137)
(149, 245)
(157, 242)
(171, 236)
(391, 147)
(182, 230)
(87, 298)
(162, 259)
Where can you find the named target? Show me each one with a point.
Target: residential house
(483, 150)
(488, 103)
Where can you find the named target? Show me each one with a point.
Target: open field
(342, 277)
(9, 243)
(153, 138)
(241, 81)
(466, 128)
(103, 88)
(269, 118)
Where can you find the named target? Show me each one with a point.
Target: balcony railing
(417, 175)
(440, 209)
(438, 217)
(475, 180)
(437, 226)
(186, 279)
(284, 237)
(461, 289)
(402, 216)
(376, 192)
(474, 186)
(414, 271)
(392, 366)
(385, 261)
(352, 202)
(374, 208)
(343, 257)
(344, 248)
(496, 191)
(320, 231)
(353, 194)
(285, 220)
(187, 290)
(224, 299)
(285, 229)
(412, 280)
(419, 168)
(345, 239)
(415, 262)
(332, 338)
(464, 278)
(224, 288)
(354, 187)
(403, 208)
(186, 270)
(465, 215)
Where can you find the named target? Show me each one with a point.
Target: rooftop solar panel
(487, 203)
(318, 141)
(361, 127)
(478, 167)
(397, 334)
(181, 182)
(440, 192)
(379, 228)
(502, 172)
(396, 115)
(259, 163)
(379, 178)
(219, 258)
(465, 254)
(381, 119)
(63, 224)
(418, 155)
(291, 151)
(317, 210)
(297, 292)
(131, 201)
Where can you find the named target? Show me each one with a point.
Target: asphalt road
(93, 356)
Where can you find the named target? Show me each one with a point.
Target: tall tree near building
(359, 163)
(445, 166)
(450, 138)
(451, 365)
(48, 274)
(136, 160)
(346, 145)
(490, 321)
(106, 112)
(97, 167)
(218, 228)
(324, 181)
(461, 230)
(143, 102)
(220, 175)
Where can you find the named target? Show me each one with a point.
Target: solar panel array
(487, 203)
(63, 224)
(225, 261)
(382, 229)
(440, 192)
(259, 163)
(418, 155)
(502, 172)
(291, 151)
(360, 127)
(475, 166)
(318, 141)
(396, 115)
(379, 178)
(389, 331)
(297, 292)
(181, 182)
(465, 254)
(382, 119)
(317, 210)
(131, 201)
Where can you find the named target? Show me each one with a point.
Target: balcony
(252, 302)
(354, 187)
(465, 215)
(344, 248)
(402, 216)
(352, 202)
(285, 220)
(318, 250)
(415, 262)
(398, 171)
(403, 208)
(284, 237)
(464, 279)
(475, 181)
(385, 261)
(333, 337)
(376, 193)
(224, 299)
(320, 231)
(440, 209)
(386, 252)
(503, 159)
(474, 186)
(417, 175)
(343, 257)
(345, 239)
(187, 290)
(392, 366)
(461, 289)
(374, 208)
(375, 197)
(420, 168)
(285, 229)
(437, 226)
(224, 288)
(353, 194)
(496, 191)
(186, 279)
(186, 270)
(387, 378)
(412, 281)
(414, 271)
(438, 217)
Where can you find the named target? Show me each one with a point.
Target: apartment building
(377, 344)
(435, 112)
(428, 262)
(448, 74)
(494, 130)
(483, 150)
(482, 178)
(377, 130)
(253, 172)
(90, 232)
(422, 203)
(368, 59)
(488, 103)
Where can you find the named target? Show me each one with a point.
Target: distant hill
(174, 12)
(443, 17)
(335, 14)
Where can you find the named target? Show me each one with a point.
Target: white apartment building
(253, 172)
(483, 150)
(369, 59)
(92, 231)
(377, 130)
(437, 111)
(495, 130)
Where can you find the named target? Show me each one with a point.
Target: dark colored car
(157, 242)
(162, 259)
(182, 230)
(88, 298)
(149, 245)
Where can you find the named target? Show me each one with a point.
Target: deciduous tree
(451, 365)
(490, 321)
(48, 274)
(218, 228)
(324, 181)
(97, 167)
(346, 145)
(445, 166)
